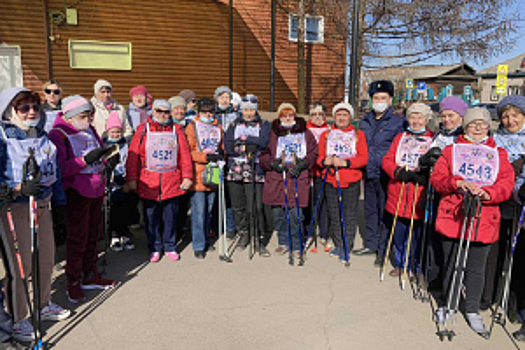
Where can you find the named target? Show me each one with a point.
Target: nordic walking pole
(343, 226)
(107, 214)
(409, 243)
(387, 253)
(254, 244)
(425, 251)
(222, 221)
(33, 173)
(312, 219)
(287, 209)
(298, 211)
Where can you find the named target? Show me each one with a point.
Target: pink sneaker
(173, 256)
(154, 257)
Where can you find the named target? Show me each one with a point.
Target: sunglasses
(162, 111)
(251, 99)
(49, 92)
(26, 108)
(193, 101)
(211, 111)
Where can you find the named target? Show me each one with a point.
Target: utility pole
(354, 58)
(231, 46)
(301, 78)
(272, 59)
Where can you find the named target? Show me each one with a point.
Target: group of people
(160, 158)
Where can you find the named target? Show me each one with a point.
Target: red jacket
(353, 173)
(155, 185)
(450, 215)
(317, 131)
(394, 185)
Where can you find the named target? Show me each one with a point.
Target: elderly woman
(401, 164)
(474, 165)
(105, 104)
(159, 170)
(22, 129)
(178, 110)
(244, 140)
(139, 110)
(291, 138)
(343, 147)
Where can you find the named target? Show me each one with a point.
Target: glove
(59, 213)
(402, 174)
(469, 204)
(212, 158)
(6, 194)
(95, 155)
(417, 177)
(300, 166)
(518, 166)
(278, 166)
(430, 158)
(240, 142)
(31, 187)
(113, 161)
(251, 149)
(521, 193)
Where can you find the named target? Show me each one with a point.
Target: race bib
(317, 132)
(208, 137)
(409, 150)
(341, 144)
(441, 141)
(244, 130)
(290, 144)
(514, 144)
(475, 163)
(82, 143)
(50, 120)
(161, 151)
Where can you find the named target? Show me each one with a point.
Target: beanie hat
(453, 103)
(343, 105)
(381, 86)
(205, 102)
(221, 90)
(188, 95)
(177, 101)
(285, 105)
(113, 121)
(249, 102)
(138, 90)
(476, 113)
(74, 105)
(102, 83)
(236, 98)
(161, 104)
(517, 101)
(419, 108)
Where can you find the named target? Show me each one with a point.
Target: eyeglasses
(162, 111)
(251, 99)
(54, 92)
(480, 125)
(26, 108)
(288, 115)
(210, 111)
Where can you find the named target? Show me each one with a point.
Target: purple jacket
(273, 193)
(88, 185)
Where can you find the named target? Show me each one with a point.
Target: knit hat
(138, 90)
(343, 105)
(113, 121)
(221, 90)
(188, 95)
(102, 83)
(419, 107)
(205, 102)
(161, 104)
(381, 86)
(236, 99)
(453, 103)
(517, 101)
(476, 113)
(177, 101)
(285, 105)
(74, 105)
(249, 102)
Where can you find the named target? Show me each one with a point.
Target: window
(493, 95)
(514, 90)
(10, 67)
(85, 54)
(313, 25)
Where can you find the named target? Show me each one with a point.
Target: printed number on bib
(475, 163)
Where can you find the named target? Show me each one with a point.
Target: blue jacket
(379, 136)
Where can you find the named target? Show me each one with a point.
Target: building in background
(168, 47)
(515, 80)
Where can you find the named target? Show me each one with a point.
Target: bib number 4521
(162, 154)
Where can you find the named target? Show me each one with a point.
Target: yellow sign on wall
(87, 54)
(501, 79)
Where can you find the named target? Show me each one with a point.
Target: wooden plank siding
(176, 44)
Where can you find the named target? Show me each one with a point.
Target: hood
(7, 95)
(299, 127)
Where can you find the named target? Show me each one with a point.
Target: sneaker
(396, 272)
(173, 256)
(439, 315)
(281, 250)
(265, 253)
(200, 254)
(75, 293)
(519, 335)
(97, 282)
(116, 244)
(23, 331)
(476, 323)
(154, 257)
(127, 243)
(54, 312)
(336, 252)
(378, 262)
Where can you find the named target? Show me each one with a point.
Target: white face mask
(31, 123)
(380, 107)
(80, 124)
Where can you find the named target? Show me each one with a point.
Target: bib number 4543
(471, 171)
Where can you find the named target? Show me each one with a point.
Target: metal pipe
(355, 46)
(46, 42)
(231, 44)
(272, 59)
